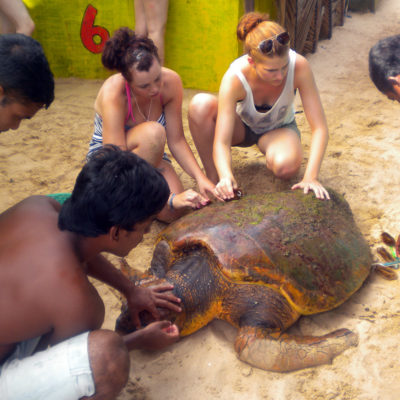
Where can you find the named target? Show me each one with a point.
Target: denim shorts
(60, 372)
(251, 138)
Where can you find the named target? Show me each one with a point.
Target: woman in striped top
(140, 109)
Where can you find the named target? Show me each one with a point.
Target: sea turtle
(260, 263)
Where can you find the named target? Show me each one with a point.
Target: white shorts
(62, 372)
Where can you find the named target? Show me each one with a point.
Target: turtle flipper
(283, 352)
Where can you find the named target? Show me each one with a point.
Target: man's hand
(142, 298)
(159, 334)
(154, 336)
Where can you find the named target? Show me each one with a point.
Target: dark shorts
(251, 138)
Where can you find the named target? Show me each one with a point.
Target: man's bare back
(47, 253)
(41, 270)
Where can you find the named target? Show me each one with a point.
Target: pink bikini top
(130, 112)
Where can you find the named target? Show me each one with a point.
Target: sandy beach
(362, 162)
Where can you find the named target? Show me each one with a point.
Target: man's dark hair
(384, 62)
(114, 188)
(25, 74)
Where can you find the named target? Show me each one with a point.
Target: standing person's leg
(156, 12)
(14, 18)
(6, 26)
(140, 18)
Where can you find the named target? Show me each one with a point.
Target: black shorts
(251, 138)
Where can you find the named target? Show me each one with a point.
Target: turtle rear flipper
(283, 352)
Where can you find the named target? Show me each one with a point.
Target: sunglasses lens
(283, 38)
(266, 46)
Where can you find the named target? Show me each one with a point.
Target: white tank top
(281, 113)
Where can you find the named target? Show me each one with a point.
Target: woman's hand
(225, 189)
(188, 198)
(315, 186)
(206, 187)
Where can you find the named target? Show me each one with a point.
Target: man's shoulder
(32, 208)
(39, 202)
(31, 226)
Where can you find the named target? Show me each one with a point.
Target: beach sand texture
(362, 162)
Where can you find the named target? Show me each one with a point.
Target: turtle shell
(309, 250)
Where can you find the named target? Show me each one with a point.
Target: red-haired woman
(255, 106)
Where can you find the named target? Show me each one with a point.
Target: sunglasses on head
(267, 45)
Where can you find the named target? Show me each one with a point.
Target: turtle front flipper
(283, 352)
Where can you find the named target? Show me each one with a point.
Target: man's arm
(103, 270)
(138, 298)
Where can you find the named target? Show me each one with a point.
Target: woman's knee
(148, 140)
(203, 106)
(150, 132)
(284, 166)
(109, 360)
(156, 133)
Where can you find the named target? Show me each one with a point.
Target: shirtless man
(26, 82)
(51, 342)
(384, 66)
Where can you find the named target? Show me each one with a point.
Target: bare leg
(109, 360)
(147, 140)
(202, 116)
(6, 26)
(140, 18)
(156, 12)
(150, 20)
(15, 18)
(283, 152)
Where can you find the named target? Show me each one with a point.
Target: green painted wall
(200, 37)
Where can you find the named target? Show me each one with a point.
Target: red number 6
(89, 31)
